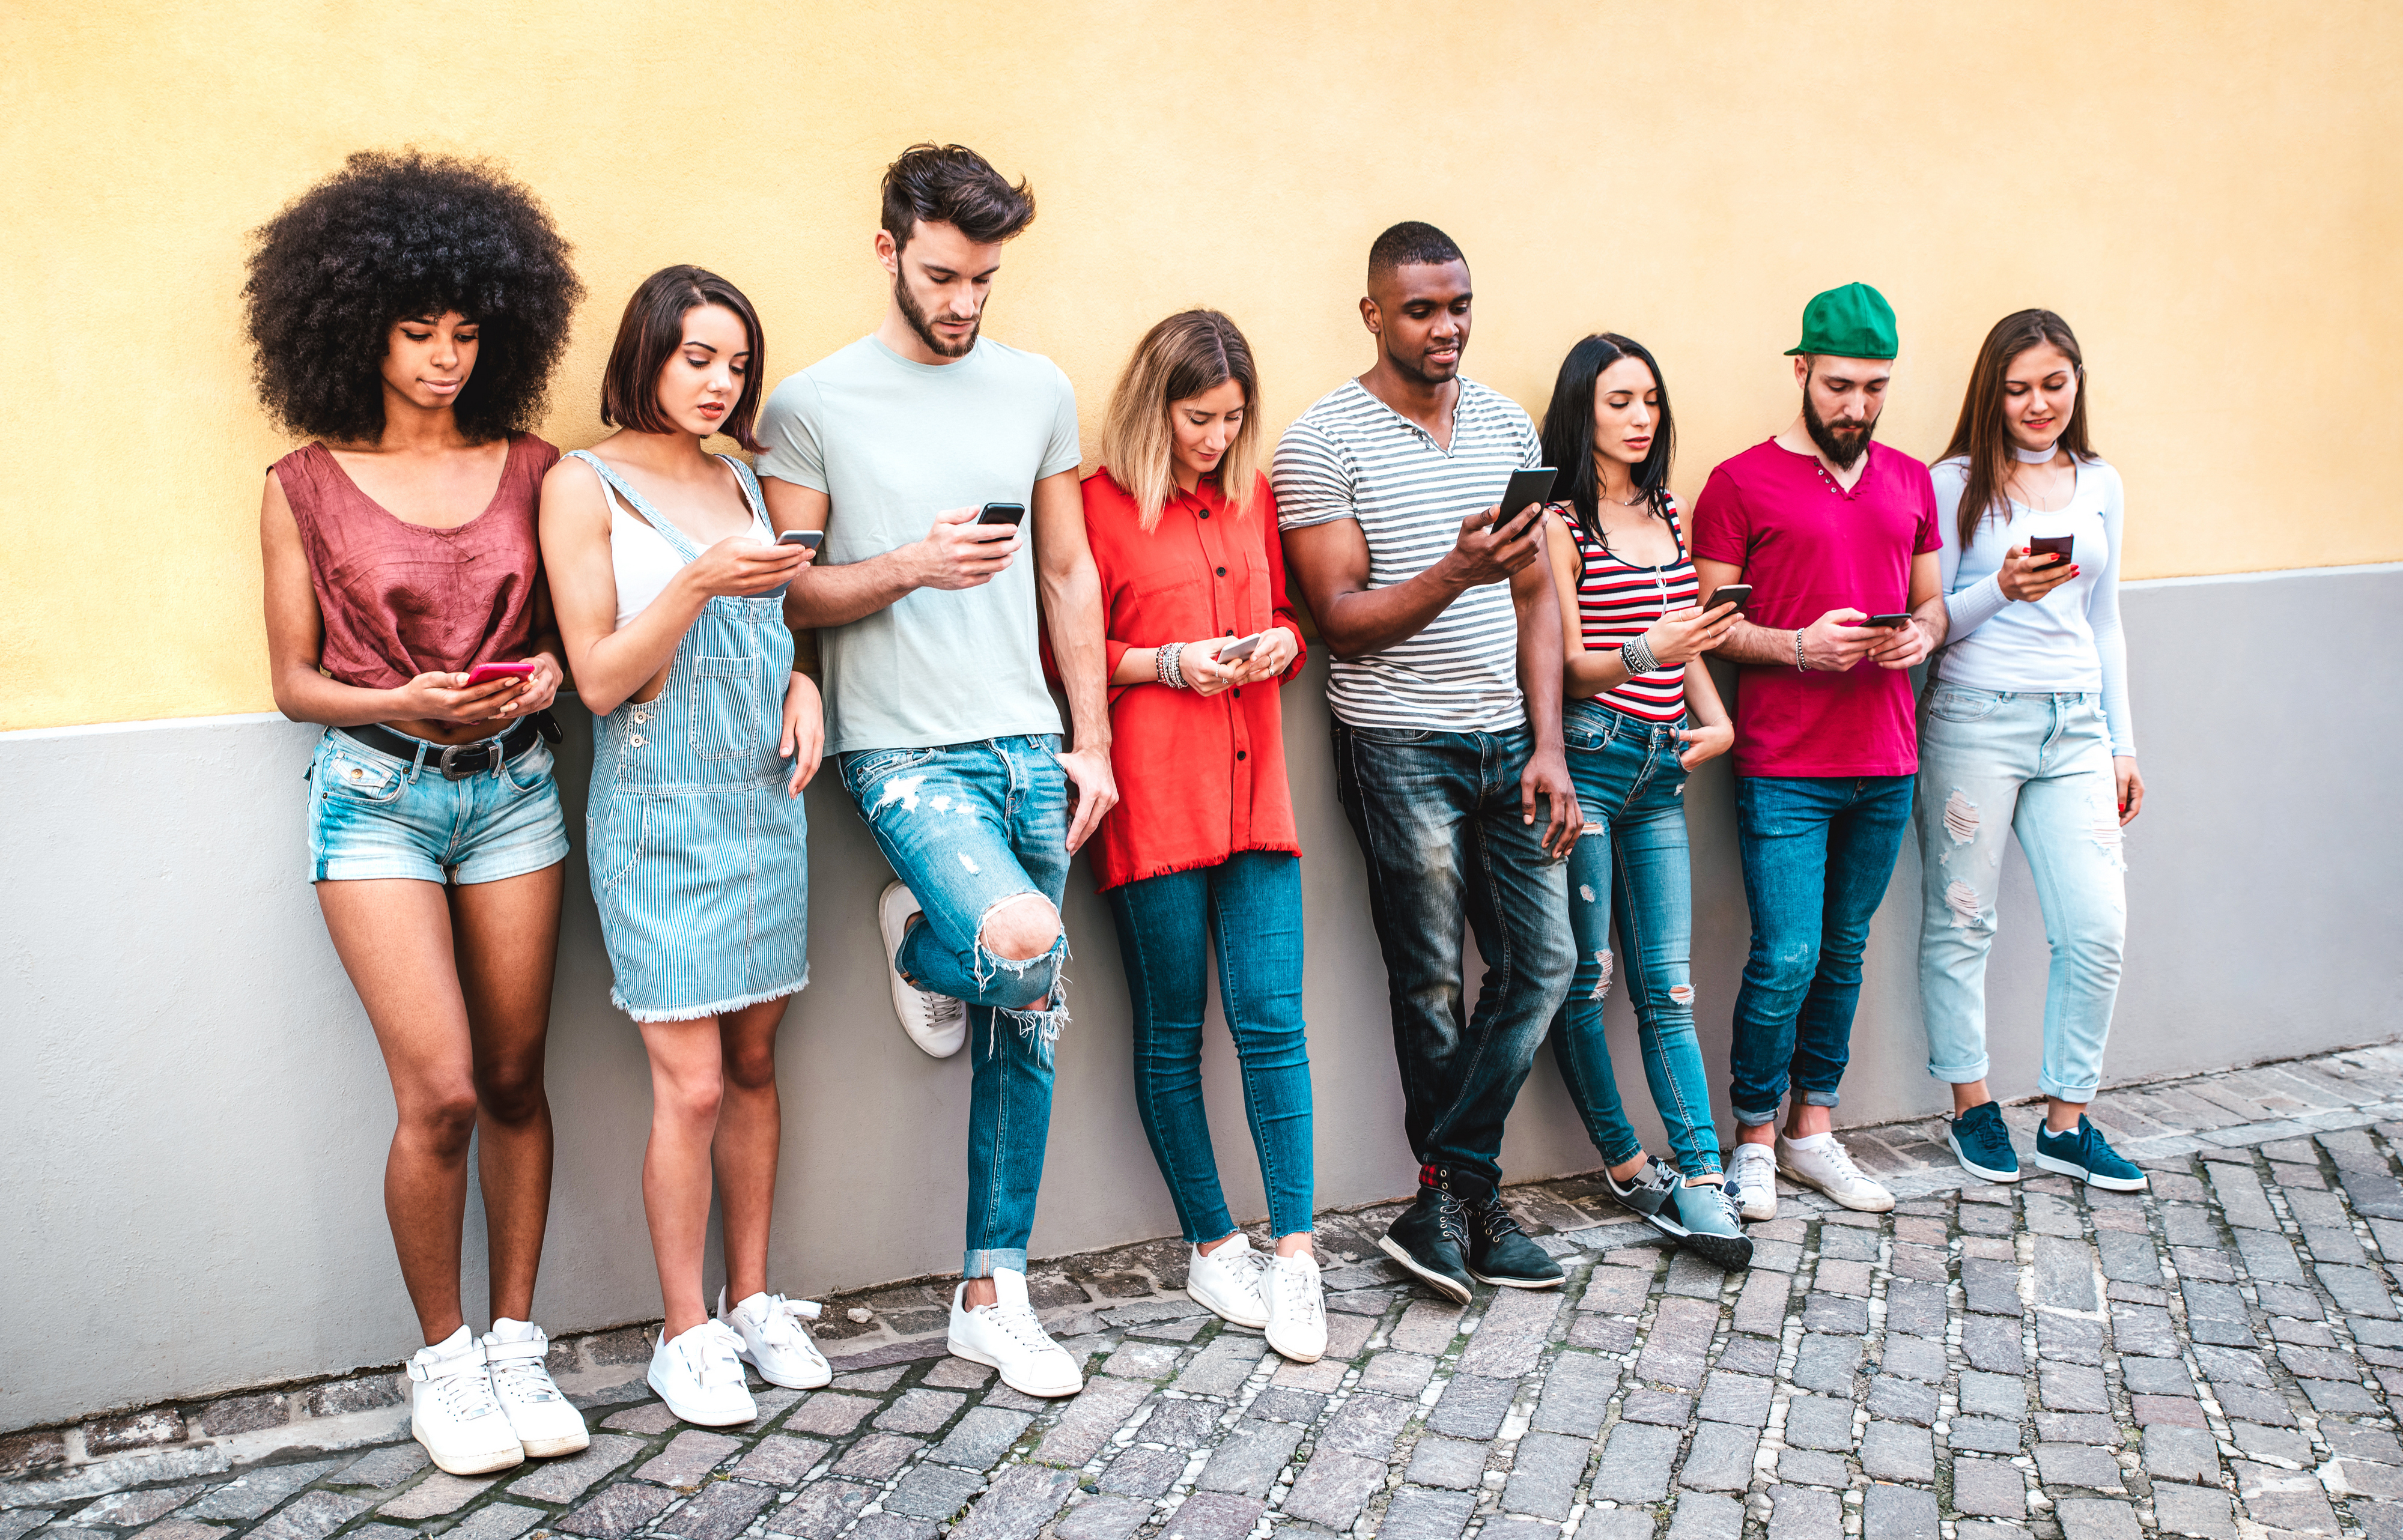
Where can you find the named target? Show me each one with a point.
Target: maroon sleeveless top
(399, 599)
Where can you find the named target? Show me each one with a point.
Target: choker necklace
(2035, 457)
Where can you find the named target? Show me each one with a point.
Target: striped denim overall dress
(699, 860)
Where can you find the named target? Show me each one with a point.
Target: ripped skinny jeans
(1993, 764)
(968, 826)
(1633, 872)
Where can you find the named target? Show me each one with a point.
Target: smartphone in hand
(1236, 651)
(2058, 547)
(1738, 594)
(1001, 513)
(1888, 622)
(1527, 488)
(806, 539)
(484, 673)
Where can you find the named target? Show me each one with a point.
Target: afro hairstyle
(391, 236)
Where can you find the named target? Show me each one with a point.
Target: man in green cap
(1838, 537)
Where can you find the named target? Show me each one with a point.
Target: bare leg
(687, 1085)
(1296, 1244)
(1969, 1094)
(507, 943)
(750, 1128)
(394, 937)
(2061, 1116)
(1802, 1121)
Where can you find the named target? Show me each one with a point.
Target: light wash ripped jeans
(1994, 763)
(968, 825)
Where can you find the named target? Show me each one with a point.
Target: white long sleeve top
(2068, 640)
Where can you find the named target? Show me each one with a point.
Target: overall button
(635, 740)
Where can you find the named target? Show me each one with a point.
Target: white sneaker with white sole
(454, 1412)
(1752, 1181)
(699, 1376)
(1296, 1308)
(774, 1340)
(936, 1022)
(1228, 1281)
(1817, 1160)
(1006, 1336)
(538, 1414)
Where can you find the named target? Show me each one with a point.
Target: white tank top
(643, 560)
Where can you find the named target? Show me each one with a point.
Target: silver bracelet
(1638, 658)
(1800, 667)
(1169, 665)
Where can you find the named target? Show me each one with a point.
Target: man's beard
(926, 329)
(1416, 368)
(1843, 447)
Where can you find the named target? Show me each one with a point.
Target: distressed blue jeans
(1437, 815)
(968, 826)
(1249, 904)
(1818, 852)
(1633, 872)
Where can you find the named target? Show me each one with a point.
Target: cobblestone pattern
(2216, 1359)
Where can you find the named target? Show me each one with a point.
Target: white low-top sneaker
(1006, 1336)
(699, 1376)
(936, 1022)
(1296, 1308)
(774, 1341)
(538, 1414)
(1228, 1281)
(454, 1412)
(1818, 1161)
(1752, 1181)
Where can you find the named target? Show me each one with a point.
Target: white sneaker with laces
(1228, 1281)
(774, 1341)
(936, 1022)
(1296, 1308)
(454, 1412)
(538, 1414)
(1006, 1336)
(1751, 1177)
(699, 1376)
(1817, 1160)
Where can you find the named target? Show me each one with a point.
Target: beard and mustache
(916, 315)
(1842, 443)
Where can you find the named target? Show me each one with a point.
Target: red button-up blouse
(1198, 779)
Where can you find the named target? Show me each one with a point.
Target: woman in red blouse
(1202, 844)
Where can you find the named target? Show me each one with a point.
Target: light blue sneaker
(2085, 1154)
(1983, 1144)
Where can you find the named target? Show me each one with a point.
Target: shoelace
(1451, 1216)
(781, 1325)
(713, 1358)
(1297, 1294)
(1497, 1221)
(465, 1395)
(526, 1379)
(1023, 1325)
(1833, 1154)
(1655, 1177)
(1736, 1175)
(943, 1011)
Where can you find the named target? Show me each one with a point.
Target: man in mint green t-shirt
(936, 711)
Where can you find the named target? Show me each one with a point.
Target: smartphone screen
(2058, 547)
(1527, 487)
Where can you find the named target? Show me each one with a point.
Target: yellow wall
(2205, 190)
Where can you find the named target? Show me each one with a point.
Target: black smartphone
(806, 539)
(1888, 622)
(2058, 547)
(1738, 594)
(1526, 487)
(1002, 513)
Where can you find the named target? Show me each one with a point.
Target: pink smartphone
(484, 673)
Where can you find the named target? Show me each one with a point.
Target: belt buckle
(489, 751)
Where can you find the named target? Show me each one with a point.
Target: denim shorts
(373, 814)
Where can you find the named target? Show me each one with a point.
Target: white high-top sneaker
(1296, 1308)
(936, 1022)
(1006, 1336)
(454, 1412)
(699, 1376)
(538, 1414)
(774, 1342)
(1227, 1281)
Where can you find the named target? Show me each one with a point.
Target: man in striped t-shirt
(1451, 774)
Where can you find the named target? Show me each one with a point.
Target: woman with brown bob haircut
(1201, 845)
(670, 588)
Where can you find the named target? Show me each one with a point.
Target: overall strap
(611, 482)
(752, 495)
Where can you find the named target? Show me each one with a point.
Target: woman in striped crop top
(1642, 713)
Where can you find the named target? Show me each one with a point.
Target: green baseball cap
(1852, 322)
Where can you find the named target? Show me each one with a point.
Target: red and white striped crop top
(1617, 603)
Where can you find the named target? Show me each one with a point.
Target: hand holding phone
(1001, 513)
(1495, 546)
(1529, 486)
(2057, 547)
(1888, 622)
(961, 551)
(1738, 594)
(484, 673)
(1240, 648)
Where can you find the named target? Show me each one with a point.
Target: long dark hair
(1981, 436)
(1568, 431)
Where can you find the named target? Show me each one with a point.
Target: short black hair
(649, 335)
(1410, 243)
(393, 235)
(953, 184)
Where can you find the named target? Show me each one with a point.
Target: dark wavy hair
(1983, 439)
(1569, 430)
(952, 185)
(393, 235)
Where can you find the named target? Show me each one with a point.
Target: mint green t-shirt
(892, 443)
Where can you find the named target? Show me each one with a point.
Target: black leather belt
(459, 761)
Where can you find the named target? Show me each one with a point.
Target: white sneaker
(1006, 1336)
(1296, 1308)
(454, 1412)
(1752, 1181)
(699, 1376)
(541, 1418)
(1818, 1161)
(936, 1022)
(1228, 1281)
(774, 1342)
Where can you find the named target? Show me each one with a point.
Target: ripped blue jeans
(969, 827)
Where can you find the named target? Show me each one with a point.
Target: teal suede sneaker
(2085, 1154)
(1982, 1143)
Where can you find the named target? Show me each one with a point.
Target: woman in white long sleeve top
(2024, 729)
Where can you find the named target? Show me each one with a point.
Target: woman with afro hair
(406, 315)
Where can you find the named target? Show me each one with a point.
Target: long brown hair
(1983, 438)
(1191, 352)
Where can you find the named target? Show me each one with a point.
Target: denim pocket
(863, 769)
(529, 769)
(1959, 705)
(725, 708)
(352, 779)
(1390, 735)
(618, 838)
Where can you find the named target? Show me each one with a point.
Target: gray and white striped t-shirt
(1350, 456)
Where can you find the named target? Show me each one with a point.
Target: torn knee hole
(1601, 984)
(1681, 993)
(1960, 817)
(1021, 928)
(1962, 900)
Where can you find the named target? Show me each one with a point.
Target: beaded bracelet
(1638, 658)
(1169, 665)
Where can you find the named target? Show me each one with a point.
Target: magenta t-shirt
(1806, 547)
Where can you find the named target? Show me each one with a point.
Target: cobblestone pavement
(2220, 1357)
